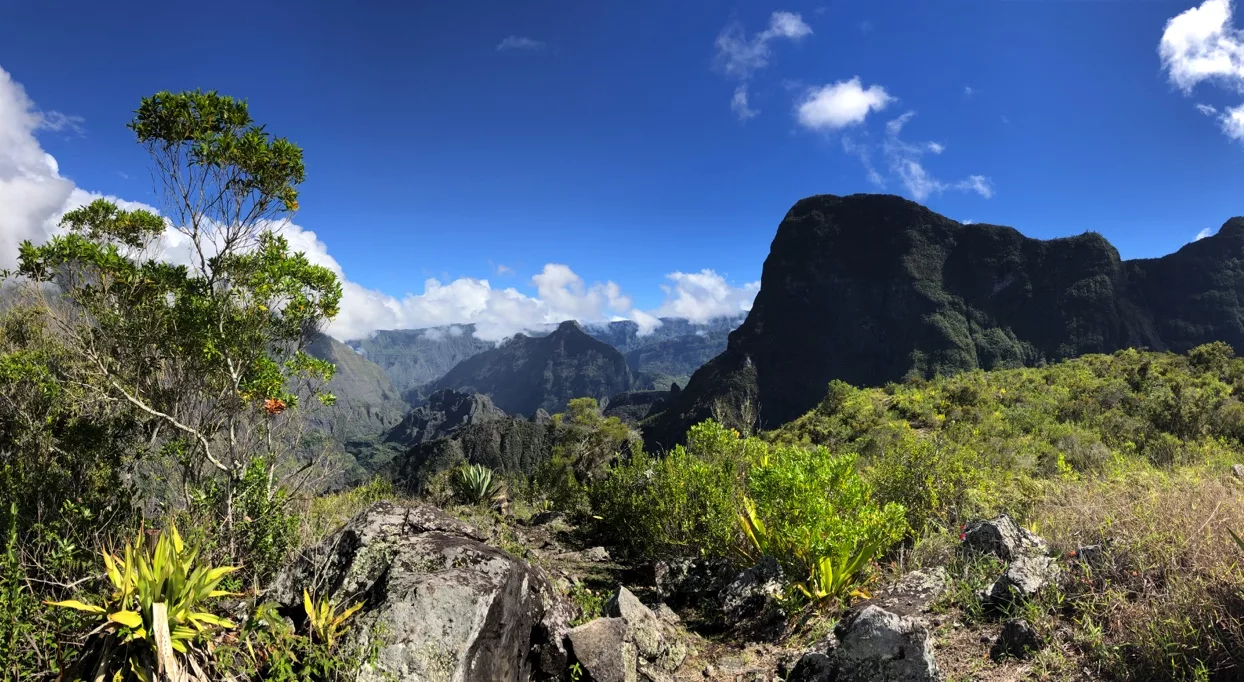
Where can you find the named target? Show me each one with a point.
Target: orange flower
(274, 406)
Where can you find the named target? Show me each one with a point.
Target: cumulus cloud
(704, 295)
(33, 197)
(1201, 45)
(841, 104)
(740, 56)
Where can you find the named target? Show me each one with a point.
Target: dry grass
(1165, 603)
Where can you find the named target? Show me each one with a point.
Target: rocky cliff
(528, 373)
(874, 288)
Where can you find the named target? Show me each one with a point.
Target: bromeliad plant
(475, 484)
(153, 625)
(324, 623)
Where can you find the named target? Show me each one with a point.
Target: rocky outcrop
(1018, 639)
(633, 407)
(1024, 578)
(1001, 537)
(751, 601)
(445, 412)
(505, 444)
(872, 645)
(527, 373)
(630, 644)
(448, 606)
(874, 288)
(688, 581)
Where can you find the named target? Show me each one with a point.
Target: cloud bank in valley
(34, 195)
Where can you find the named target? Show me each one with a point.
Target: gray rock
(1024, 578)
(875, 645)
(546, 518)
(1238, 470)
(1018, 639)
(813, 668)
(753, 592)
(449, 606)
(601, 646)
(644, 628)
(1003, 538)
(914, 592)
(1093, 556)
(595, 555)
(684, 581)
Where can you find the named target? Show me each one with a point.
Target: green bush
(724, 495)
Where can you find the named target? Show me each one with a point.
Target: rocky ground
(482, 596)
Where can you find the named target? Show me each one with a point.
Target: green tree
(203, 342)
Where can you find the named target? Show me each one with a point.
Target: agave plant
(476, 485)
(836, 575)
(154, 623)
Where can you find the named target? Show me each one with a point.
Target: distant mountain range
(871, 289)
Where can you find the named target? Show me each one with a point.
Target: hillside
(874, 288)
(367, 405)
(414, 357)
(527, 373)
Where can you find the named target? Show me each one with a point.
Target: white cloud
(739, 56)
(58, 122)
(904, 162)
(969, 221)
(503, 270)
(968, 91)
(1201, 45)
(704, 295)
(520, 43)
(738, 104)
(33, 197)
(1207, 232)
(842, 104)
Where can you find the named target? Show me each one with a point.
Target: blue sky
(446, 140)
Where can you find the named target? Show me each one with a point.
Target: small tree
(204, 341)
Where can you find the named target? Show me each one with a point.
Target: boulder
(914, 592)
(1003, 538)
(1018, 639)
(645, 629)
(813, 667)
(875, 645)
(1024, 578)
(448, 605)
(596, 555)
(1238, 470)
(754, 592)
(605, 651)
(684, 581)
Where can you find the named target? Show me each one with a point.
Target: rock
(546, 518)
(1093, 556)
(1238, 470)
(449, 606)
(753, 592)
(644, 628)
(813, 668)
(1024, 578)
(445, 412)
(875, 645)
(914, 592)
(684, 581)
(1018, 639)
(667, 615)
(1003, 538)
(596, 555)
(602, 648)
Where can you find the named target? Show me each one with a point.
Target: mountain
(504, 444)
(368, 404)
(527, 373)
(414, 357)
(444, 412)
(633, 407)
(625, 335)
(874, 288)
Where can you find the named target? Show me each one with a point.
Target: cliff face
(527, 373)
(873, 288)
(367, 402)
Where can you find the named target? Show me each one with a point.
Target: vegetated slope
(874, 288)
(367, 405)
(445, 412)
(414, 357)
(527, 373)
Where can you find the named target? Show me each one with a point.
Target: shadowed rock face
(874, 288)
(526, 373)
(445, 412)
(448, 605)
